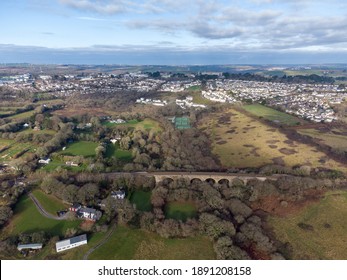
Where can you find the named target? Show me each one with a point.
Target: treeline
(297, 79)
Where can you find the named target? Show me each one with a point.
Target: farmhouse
(70, 243)
(89, 214)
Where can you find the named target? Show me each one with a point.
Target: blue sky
(173, 31)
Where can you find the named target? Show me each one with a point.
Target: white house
(118, 194)
(70, 243)
(45, 160)
(89, 214)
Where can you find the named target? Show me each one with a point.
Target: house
(89, 213)
(71, 163)
(118, 194)
(25, 125)
(75, 207)
(113, 141)
(45, 160)
(32, 246)
(70, 243)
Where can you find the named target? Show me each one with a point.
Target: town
(312, 102)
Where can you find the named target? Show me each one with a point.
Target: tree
(69, 193)
(5, 214)
(226, 250)
(87, 193)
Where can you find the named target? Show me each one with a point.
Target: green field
(146, 124)
(336, 141)
(180, 210)
(272, 114)
(56, 162)
(113, 150)
(142, 200)
(28, 219)
(242, 141)
(131, 123)
(24, 115)
(49, 202)
(129, 244)
(42, 131)
(14, 149)
(81, 148)
(199, 99)
(318, 231)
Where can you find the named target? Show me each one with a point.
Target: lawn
(49, 202)
(113, 150)
(146, 124)
(81, 148)
(180, 210)
(142, 200)
(242, 141)
(129, 244)
(336, 141)
(28, 219)
(322, 231)
(272, 114)
(56, 162)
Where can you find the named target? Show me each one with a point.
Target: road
(43, 211)
(102, 242)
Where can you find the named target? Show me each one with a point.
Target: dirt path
(43, 211)
(102, 242)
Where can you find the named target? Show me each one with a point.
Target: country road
(102, 242)
(43, 211)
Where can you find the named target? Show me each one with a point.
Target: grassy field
(131, 123)
(55, 163)
(241, 141)
(199, 99)
(331, 139)
(142, 200)
(146, 124)
(14, 149)
(318, 231)
(81, 148)
(50, 203)
(180, 210)
(195, 88)
(24, 115)
(129, 244)
(272, 114)
(27, 219)
(43, 131)
(114, 150)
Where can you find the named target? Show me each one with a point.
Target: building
(75, 207)
(89, 214)
(118, 194)
(70, 243)
(33, 246)
(45, 160)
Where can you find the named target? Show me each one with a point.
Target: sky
(174, 32)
